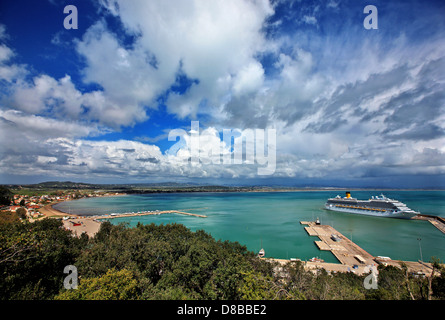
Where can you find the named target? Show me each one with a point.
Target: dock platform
(350, 254)
(322, 246)
(438, 222)
(346, 251)
(145, 213)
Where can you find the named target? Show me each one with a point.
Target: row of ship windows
(362, 208)
(373, 205)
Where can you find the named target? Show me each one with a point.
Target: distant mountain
(165, 184)
(83, 185)
(62, 184)
(177, 187)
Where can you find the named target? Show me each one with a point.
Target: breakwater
(145, 213)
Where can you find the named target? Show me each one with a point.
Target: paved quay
(145, 213)
(346, 251)
(352, 258)
(438, 222)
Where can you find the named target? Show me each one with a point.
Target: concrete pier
(145, 213)
(346, 251)
(350, 255)
(438, 222)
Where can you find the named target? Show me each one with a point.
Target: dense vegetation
(171, 262)
(5, 196)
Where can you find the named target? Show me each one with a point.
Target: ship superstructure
(378, 206)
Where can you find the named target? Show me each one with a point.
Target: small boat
(261, 253)
(316, 259)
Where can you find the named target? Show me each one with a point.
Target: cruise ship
(378, 206)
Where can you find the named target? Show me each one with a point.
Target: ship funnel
(348, 194)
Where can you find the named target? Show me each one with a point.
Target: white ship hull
(385, 214)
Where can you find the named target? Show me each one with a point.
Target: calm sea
(272, 220)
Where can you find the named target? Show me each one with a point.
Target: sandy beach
(49, 211)
(80, 225)
(88, 224)
(77, 224)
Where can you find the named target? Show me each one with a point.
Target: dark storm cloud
(414, 110)
(418, 110)
(326, 126)
(420, 116)
(347, 100)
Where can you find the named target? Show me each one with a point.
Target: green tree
(347, 286)
(391, 285)
(114, 285)
(8, 217)
(21, 212)
(297, 280)
(32, 258)
(255, 286)
(170, 261)
(438, 282)
(6, 196)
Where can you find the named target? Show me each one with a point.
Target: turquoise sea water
(273, 220)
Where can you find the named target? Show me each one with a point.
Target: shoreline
(265, 190)
(90, 220)
(50, 209)
(75, 223)
(90, 224)
(59, 212)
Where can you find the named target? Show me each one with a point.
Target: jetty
(438, 222)
(351, 256)
(91, 224)
(346, 251)
(145, 213)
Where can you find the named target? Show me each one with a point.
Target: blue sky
(350, 106)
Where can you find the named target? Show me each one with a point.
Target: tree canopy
(6, 196)
(172, 262)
